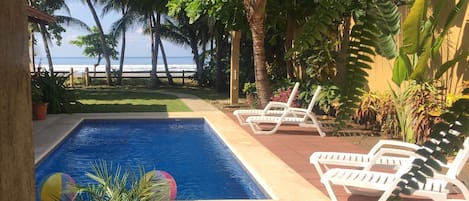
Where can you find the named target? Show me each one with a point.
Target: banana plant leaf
(411, 26)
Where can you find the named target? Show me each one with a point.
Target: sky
(138, 45)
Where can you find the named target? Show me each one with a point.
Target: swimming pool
(202, 165)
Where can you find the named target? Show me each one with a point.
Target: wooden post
(183, 77)
(16, 139)
(71, 77)
(86, 78)
(234, 75)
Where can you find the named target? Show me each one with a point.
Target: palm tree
(163, 54)
(119, 28)
(102, 39)
(181, 32)
(150, 16)
(255, 10)
(49, 7)
(16, 147)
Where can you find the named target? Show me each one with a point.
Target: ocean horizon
(79, 64)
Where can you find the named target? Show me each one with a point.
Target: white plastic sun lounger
(437, 187)
(322, 160)
(302, 117)
(273, 108)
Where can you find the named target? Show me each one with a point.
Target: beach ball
(57, 187)
(160, 174)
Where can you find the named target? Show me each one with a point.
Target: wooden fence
(87, 76)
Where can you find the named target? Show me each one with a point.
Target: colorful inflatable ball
(159, 175)
(57, 187)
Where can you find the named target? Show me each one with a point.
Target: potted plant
(39, 105)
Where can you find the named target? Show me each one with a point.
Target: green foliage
(92, 44)
(445, 138)
(122, 185)
(54, 92)
(249, 87)
(422, 41)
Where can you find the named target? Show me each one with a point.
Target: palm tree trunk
(288, 45)
(122, 56)
(219, 65)
(256, 12)
(103, 42)
(154, 26)
(168, 75)
(46, 47)
(342, 53)
(199, 67)
(16, 146)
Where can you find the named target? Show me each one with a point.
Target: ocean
(130, 64)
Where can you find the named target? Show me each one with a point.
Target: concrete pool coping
(279, 180)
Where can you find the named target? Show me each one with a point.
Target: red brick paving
(294, 145)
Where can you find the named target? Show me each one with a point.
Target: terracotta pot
(39, 111)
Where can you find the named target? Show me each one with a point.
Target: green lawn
(125, 100)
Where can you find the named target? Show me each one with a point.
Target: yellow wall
(457, 40)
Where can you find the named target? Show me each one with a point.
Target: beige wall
(457, 40)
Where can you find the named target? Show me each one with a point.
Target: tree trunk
(199, 66)
(255, 13)
(220, 70)
(103, 42)
(342, 53)
(32, 65)
(163, 54)
(154, 24)
(46, 47)
(16, 146)
(122, 57)
(289, 45)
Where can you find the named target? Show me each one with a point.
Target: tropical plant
(54, 92)
(102, 38)
(368, 109)
(118, 185)
(92, 46)
(422, 40)
(387, 117)
(445, 138)
(54, 29)
(119, 28)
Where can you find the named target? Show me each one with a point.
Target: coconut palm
(119, 28)
(180, 31)
(255, 10)
(106, 55)
(54, 29)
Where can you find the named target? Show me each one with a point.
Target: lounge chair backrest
(314, 99)
(460, 160)
(294, 91)
(312, 102)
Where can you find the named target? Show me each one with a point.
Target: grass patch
(125, 100)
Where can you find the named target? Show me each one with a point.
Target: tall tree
(92, 46)
(16, 141)
(255, 11)
(119, 28)
(53, 30)
(102, 40)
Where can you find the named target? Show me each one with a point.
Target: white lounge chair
(302, 117)
(437, 187)
(322, 160)
(272, 108)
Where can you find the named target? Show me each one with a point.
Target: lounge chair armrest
(397, 144)
(274, 104)
(395, 152)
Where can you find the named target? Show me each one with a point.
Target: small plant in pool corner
(118, 185)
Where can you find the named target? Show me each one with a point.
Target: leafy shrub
(54, 92)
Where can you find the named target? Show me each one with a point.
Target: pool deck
(279, 162)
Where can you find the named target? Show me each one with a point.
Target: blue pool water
(201, 164)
